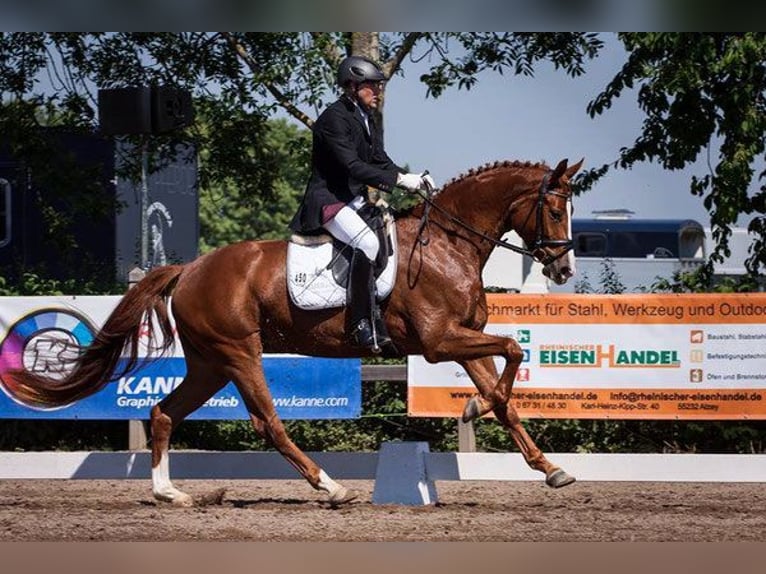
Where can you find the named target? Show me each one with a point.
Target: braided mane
(495, 165)
(473, 172)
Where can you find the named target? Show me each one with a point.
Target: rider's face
(368, 94)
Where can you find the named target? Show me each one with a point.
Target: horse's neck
(483, 203)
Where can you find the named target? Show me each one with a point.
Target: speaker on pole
(171, 109)
(125, 111)
(144, 110)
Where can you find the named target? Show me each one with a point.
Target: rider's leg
(351, 229)
(367, 325)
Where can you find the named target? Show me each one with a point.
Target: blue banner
(41, 334)
(301, 387)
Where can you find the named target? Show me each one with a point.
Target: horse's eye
(556, 215)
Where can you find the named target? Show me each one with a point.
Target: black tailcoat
(345, 159)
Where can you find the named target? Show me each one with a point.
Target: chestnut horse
(231, 305)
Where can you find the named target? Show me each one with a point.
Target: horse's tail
(135, 315)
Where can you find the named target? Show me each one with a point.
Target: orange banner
(601, 403)
(618, 356)
(708, 308)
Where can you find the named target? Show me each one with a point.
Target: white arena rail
(404, 472)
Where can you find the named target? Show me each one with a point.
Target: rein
(537, 246)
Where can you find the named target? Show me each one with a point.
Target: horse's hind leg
(484, 374)
(198, 386)
(251, 383)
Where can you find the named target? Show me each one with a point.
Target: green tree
(228, 215)
(704, 96)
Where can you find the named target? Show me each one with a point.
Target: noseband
(540, 242)
(537, 250)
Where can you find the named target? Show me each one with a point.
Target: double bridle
(535, 251)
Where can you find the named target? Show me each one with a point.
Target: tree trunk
(367, 44)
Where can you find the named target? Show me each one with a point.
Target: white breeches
(351, 229)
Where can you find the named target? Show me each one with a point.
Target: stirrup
(364, 336)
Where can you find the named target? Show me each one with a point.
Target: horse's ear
(557, 173)
(562, 170)
(574, 169)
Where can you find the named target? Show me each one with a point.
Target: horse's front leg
(484, 375)
(494, 391)
(475, 350)
(461, 344)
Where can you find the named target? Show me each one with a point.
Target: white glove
(415, 181)
(409, 181)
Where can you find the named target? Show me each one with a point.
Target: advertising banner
(40, 333)
(700, 356)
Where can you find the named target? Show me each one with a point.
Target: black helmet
(359, 69)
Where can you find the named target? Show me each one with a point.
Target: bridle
(536, 251)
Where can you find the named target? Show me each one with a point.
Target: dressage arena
(289, 510)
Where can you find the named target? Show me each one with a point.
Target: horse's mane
(473, 172)
(494, 165)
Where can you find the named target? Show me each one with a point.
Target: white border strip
(603, 467)
(363, 466)
(183, 464)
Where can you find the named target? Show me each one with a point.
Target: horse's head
(542, 218)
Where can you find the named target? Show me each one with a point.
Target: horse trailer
(639, 252)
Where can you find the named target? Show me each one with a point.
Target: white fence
(404, 472)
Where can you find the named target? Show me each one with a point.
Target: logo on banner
(597, 356)
(44, 342)
(526, 355)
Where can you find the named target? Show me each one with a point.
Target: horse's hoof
(472, 410)
(175, 497)
(342, 496)
(558, 478)
(183, 500)
(214, 498)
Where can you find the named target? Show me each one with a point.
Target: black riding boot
(367, 326)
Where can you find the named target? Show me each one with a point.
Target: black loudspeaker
(159, 109)
(124, 111)
(171, 109)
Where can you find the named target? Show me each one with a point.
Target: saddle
(318, 265)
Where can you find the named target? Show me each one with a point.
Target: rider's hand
(411, 181)
(428, 182)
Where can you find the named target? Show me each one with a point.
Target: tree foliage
(704, 98)
(228, 215)
(239, 80)
(702, 94)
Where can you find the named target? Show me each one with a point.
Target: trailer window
(692, 243)
(588, 244)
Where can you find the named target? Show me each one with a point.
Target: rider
(347, 156)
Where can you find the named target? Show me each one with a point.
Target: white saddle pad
(311, 284)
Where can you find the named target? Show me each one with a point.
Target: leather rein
(536, 248)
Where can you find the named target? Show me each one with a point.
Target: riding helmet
(359, 69)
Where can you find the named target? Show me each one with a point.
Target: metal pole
(144, 205)
(138, 434)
